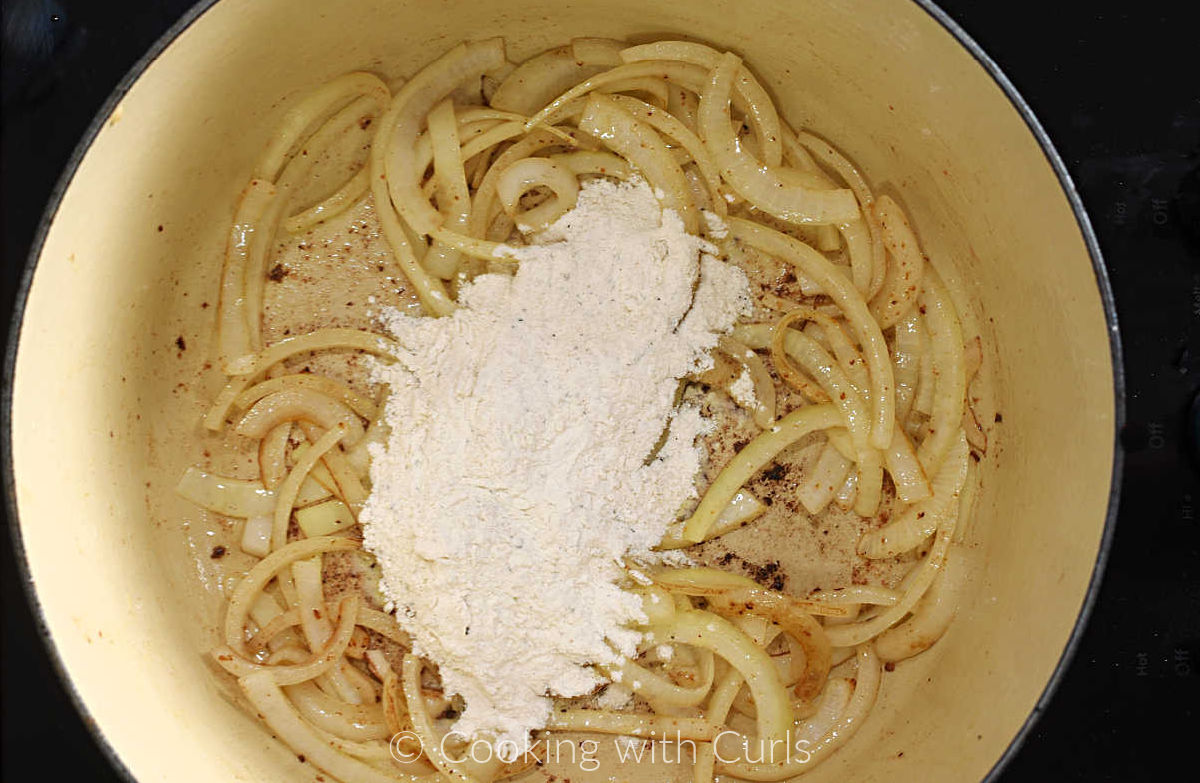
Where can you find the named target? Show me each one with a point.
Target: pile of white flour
(515, 477)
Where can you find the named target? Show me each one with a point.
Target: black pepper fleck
(775, 473)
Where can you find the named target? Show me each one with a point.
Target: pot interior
(111, 376)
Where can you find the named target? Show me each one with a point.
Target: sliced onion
(853, 306)
(300, 404)
(822, 481)
(905, 469)
(690, 76)
(323, 519)
(523, 176)
(584, 162)
(713, 632)
(233, 321)
(908, 529)
(749, 95)
(641, 146)
(411, 105)
(933, 613)
(454, 199)
(664, 123)
(228, 496)
(256, 535)
(947, 366)
(744, 508)
(762, 185)
(535, 82)
(903, 280)
(316, 107)
(655, 89)
(752, 458)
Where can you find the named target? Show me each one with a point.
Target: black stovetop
(1117, 87)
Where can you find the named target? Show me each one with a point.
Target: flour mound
(514, 482)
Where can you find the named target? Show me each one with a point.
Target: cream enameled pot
(101, 394)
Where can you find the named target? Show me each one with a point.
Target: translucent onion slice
(527, 174)
(908, 529)
(299, 404)
(817, 363)
(858, 247)
(491, 137)
(316, 107)
(713, 632)
(237, 497)
(664, 123)
(395, 178)
(810, 670)
(584, 162)
(902, 282)
(708, 582)
(657, 604)
(251, 585)
(454, 199)
(822, 481)
(348, 721)
(330, 387)
(536, 81)
(828, 331)
(323, 519)
(762, 185)
(324, 659)
(256, 535)
(227, 496)
(700, 580)
(291, 486)
(835, 160)
(749, 94)
(270, 702)
(251, 367)
(483, 208)
(753, 457)
(822, 736)
(933, 613)
(947, 367)
(905, 469)
(853, 306)
(854, 595)
(690, 76)
(722, 699)
(333, 205)
(660, 690)
(743, 509)
(915, 584)
(847, 494)
(906, 358)
(684, 105)
(432, 743)
(313, 615)
(233, 325)
(653, 91)
(411, 106)
(639, 144)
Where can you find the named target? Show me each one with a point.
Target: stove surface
(1117, 88)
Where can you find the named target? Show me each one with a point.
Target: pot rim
(941, 17)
